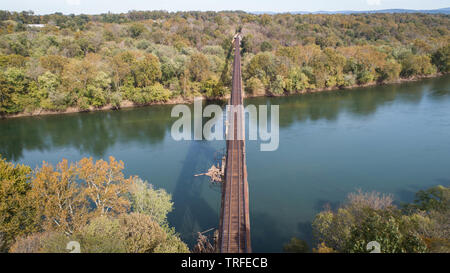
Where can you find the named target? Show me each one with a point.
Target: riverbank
(398, 81)
(181, 100)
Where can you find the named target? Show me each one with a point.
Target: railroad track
(235, 226)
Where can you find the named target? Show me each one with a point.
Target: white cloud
(373, 2)
(73, 2)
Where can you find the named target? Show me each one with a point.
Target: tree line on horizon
(141, 57)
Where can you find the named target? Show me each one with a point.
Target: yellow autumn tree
(68, 196)
(58, 199)
(105, 184)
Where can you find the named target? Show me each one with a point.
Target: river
(392, 139)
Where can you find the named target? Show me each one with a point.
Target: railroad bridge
(234, 229)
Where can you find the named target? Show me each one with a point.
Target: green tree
(433, 199)
(247, 44)
(389, 72)
(277, 86)
(13, 90)
(198, 67)
(12, 60)
(6, 90)
(147, 200)
(441, 59)
(263, 67)
(102, 235)
(98, 90)
(16, 212)
(136, 30)
(296, 81)
(143, 235)
(146, 70)
(387, 229)
(266, 46)
(49, 94)
(413, 65)
(254, 86)
(54, 63)
(367, 217)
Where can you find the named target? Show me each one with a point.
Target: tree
(54, 63)
(67, 197)
(102, 235)
(263, 67)
(128, 233)
(198, 67)
(277, 86)
(433, 199)
(12, 60)
(6, 90)
(106, 186)
(265, 19)
(296, 81)
(247, 44)
(441, 59)
(89, 202)
(363, 62)
(413, 65)
(266, 46)
(389, 72)
(13, 90)
(254, 86)
(136, 30)
(121, 66)
(387, 229)
(142, 234)
(367, 217)
(146, 70)
(155, 93)
(43, 242)
(147, 200)
(58, 199)
(49, 93)
(16, 212)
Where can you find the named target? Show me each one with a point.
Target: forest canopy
(91, 202)
(53, 62)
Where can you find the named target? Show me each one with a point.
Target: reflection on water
(93, 133)
(192, 211)
(392, 139)
(90, 133)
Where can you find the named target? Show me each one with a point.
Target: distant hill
(433, 11)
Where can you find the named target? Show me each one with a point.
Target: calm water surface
(393, 139)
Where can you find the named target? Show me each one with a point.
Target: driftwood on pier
(203, 242)
(214, 173)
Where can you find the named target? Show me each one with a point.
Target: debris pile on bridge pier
(204, 244)
(214, 173)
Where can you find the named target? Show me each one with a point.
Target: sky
(117, 6)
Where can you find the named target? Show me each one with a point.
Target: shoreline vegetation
(180, 100)
(55, 63)
(417, 227)
(91, 202)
